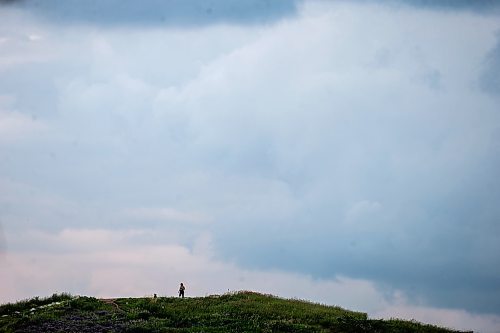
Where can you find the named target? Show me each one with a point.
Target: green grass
(233, 312)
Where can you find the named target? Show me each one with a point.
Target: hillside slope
(235, 312)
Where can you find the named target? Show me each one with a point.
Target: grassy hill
(234, 312)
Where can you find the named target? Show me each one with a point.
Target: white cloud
(166, 214)
(23, 42)
(362, 209)
(15, 127)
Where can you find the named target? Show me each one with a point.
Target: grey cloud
(489, 79)
(158, 12)
(484, 6)
(442, 254)
(38, 97)
(435, 229)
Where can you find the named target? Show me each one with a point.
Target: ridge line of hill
(243, 311)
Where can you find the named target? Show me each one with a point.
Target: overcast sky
(345, 152)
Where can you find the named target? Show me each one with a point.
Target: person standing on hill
(181, 290)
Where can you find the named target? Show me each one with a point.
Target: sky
(343, 152)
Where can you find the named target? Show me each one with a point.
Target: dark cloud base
(157, 12)
(201, 12)
(480, 5)
(454, 280)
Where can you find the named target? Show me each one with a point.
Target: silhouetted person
(181, 290)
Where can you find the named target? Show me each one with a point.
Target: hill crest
(242, 311)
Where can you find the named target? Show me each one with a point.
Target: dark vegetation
(233, 312)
